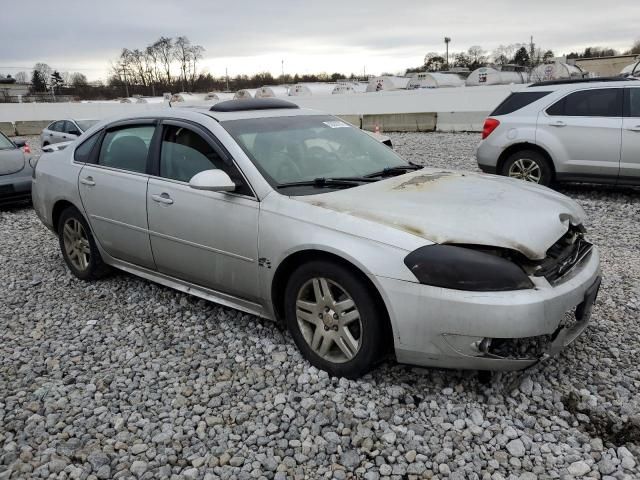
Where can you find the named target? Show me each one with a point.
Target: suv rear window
(516, 101)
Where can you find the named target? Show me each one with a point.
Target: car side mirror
(75, 132)
(213, 181)
(19, 143)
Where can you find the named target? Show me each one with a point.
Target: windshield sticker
(336, 124)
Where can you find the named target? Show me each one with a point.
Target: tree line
(172, 64)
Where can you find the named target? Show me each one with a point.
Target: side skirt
(190, 288)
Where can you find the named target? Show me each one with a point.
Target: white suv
(584, 131)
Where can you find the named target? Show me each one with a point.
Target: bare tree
(22, 77)
(197, 52)
(182, 53)
(78, 80)
(164, 48)
(477, 56)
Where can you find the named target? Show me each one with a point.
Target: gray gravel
(127, 379)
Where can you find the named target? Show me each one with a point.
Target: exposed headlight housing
(461, 268)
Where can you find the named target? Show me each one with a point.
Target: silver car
(15, 170)
(298, 217)
(580, 130)
(64, 131)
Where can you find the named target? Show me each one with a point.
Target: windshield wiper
(326, 182)
(390, 171)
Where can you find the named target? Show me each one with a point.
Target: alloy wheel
(329, 320)
(76, 244)
(526, 169)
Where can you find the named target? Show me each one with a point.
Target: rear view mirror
(19, 143)
(75, 132)
(213, 181)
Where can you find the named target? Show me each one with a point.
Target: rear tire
(78, 246)
(528, 165)
(334, 319)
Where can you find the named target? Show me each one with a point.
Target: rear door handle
(162, 198)
(634, 129)
(88, 181)
(558, 123)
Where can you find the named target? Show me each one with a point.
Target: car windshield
(5, 143)
(290, 150)
(86, 124)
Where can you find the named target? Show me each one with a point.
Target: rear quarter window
(516, 101)
(83, 152)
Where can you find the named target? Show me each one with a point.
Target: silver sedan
(298, 217)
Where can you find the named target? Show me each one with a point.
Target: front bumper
(445, 328)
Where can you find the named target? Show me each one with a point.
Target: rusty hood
(461, 208)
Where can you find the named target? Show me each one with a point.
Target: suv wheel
(528, 165)
(334, 319)
(79, 249)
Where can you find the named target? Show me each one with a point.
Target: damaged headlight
(461, 268)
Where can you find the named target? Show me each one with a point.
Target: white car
(296, 216)
(64, 131)
(575, 130)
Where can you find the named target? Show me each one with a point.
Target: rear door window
(516, 101)
(603, 102)
(633, 104)
(127, 148)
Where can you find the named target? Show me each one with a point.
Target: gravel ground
(127, 379)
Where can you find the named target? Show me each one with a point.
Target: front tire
(530, 166)
(78, 246)
(334, 319)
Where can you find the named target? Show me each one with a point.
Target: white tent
(187, 97)
(556, 71)
(150, 100)
(491, 76)
(219, 96)
(349, 87)
(269, 91)
(632, 70)
(387, 83)
(245, 94)
(435, 80)
(308, 89)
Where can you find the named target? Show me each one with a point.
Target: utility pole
(446, 42)
(282, 65)
(126, 85)
(226, 74)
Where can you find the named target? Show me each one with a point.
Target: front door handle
(558, 123)
(88, 181)
(162, 198)
(634, 129)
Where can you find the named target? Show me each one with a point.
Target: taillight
(490, 124)
(26, 148)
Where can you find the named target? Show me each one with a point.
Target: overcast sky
(249, 36)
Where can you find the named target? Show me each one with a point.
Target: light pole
(446, 42)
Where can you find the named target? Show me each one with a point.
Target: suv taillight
(490, 124)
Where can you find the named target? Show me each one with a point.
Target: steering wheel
(287, 170)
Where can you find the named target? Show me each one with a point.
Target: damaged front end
(563, 259)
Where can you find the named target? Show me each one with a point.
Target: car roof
(567, 86)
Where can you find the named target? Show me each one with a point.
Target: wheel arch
(288, 265)
(516, 147)
(58, 207)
